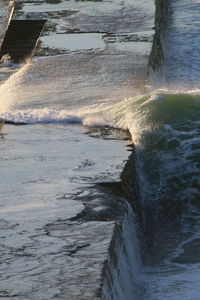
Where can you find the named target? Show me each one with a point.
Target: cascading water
(181, 45)
(122, 274)
(169, 168)
(165, 129)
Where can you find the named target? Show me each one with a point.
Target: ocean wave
(164, 125)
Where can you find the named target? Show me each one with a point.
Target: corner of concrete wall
(6, 12)
(120, 268)
(162, 11)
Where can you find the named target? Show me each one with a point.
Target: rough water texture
(164, 126)
(169, 157)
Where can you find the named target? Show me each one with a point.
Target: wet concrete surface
(57, 211)
(126, 29)
(56, 247)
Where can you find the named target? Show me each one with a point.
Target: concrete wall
(121, 270)
(156, 57)
(6, 10)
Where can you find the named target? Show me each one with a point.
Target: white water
(44, 92)
(33, 96)
(122, 279)
(182, 45)
(80, 87)
(40, 92)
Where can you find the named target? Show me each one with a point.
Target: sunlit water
(165, 128)
(170, 164)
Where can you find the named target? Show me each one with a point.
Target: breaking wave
(164, 125)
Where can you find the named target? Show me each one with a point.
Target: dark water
(169, 163)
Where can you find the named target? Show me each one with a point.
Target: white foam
(123, 273)
(40, 116)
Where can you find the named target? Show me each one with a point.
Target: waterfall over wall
(121, 275)
(156, 58)
(122, 270)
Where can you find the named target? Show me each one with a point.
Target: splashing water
(165, 129)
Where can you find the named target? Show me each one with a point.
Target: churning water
(165, 127)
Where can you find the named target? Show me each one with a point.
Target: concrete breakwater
(6, 11)
(126, 284)
(82, 256)
(161, 18)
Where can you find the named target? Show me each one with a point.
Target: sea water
(51, 165)
(165, 129)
